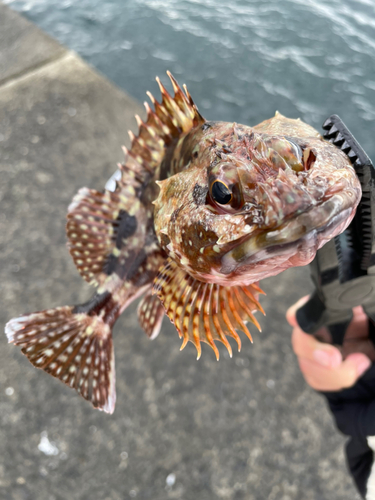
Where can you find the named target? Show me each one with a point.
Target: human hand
(326, 367)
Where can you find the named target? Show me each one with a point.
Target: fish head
(252, 201)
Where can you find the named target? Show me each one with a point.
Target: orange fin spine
(252, 299)
(216, 314)
(206, 316)
(180, 305)
(237, 317)
(182, 322)
(257, 288)
(246, 308)
(226, 317)
(193, 328)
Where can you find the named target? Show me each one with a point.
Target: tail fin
(73, 344)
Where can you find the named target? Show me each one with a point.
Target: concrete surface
(23, 46)
(246, 428)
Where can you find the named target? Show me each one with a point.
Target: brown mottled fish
(202, 211)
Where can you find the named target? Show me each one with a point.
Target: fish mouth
(304, 234)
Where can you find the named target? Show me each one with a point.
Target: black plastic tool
(343, 271)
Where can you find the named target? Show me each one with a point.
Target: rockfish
(203, 210)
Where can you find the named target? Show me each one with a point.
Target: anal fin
(205, 312)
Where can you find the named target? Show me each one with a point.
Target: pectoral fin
(206, 312)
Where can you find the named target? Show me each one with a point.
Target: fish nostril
(309, 158)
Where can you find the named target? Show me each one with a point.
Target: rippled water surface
(241, 60)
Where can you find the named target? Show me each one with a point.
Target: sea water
(242, 60)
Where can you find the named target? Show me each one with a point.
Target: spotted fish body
(202, 211)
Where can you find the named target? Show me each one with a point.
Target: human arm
(346, 377)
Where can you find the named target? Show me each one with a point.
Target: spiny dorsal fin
(205, 312)
(170, 118)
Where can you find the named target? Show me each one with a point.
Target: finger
(308, 347)
(358, 327)
(327, 379)
(359, 361)
(291, 312)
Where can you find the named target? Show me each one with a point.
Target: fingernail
(363, 366)
(326, 358)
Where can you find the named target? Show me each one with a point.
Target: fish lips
(308, 231)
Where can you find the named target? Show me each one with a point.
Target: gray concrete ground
(245, 428)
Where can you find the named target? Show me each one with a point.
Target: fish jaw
(293, 244)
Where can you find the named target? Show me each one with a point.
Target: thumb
(291, 312)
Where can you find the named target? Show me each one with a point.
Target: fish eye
(221, 193)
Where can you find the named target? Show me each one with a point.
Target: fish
(201, 212)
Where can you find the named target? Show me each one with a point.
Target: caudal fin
(73, 346)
